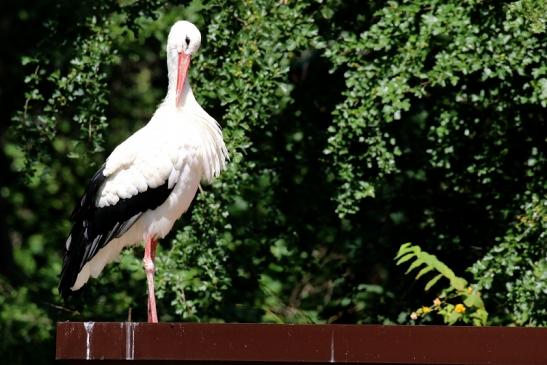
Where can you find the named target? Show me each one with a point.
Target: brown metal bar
(177, 343)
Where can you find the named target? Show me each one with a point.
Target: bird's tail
(74, 253)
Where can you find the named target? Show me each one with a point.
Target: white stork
(149, 180)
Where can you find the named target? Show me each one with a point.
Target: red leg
(153, 247)
(149, 256)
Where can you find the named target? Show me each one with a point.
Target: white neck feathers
(213, 150)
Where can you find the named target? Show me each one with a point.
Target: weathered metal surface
(177, 343)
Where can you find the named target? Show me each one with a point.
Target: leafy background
(353, 128)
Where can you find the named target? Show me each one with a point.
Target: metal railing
(176, 343)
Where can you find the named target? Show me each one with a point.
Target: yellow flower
(469, 290)
(437, 302)
(414, 316)
(425, 309)
(460, 308)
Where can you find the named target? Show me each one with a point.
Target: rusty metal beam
(178, 343)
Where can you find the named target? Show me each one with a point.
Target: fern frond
(428, 263)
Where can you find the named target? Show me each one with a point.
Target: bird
(149, 180)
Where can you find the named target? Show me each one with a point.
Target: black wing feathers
(94, 227)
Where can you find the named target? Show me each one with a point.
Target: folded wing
(131, 182)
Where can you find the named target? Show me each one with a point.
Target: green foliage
(82, 89)
(23, 323)
(470, 307)
(513, 274)
(421, 50)
(533, 11)
(352, 127)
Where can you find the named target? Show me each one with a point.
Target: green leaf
(480, 317)
(433, 281)
(424, 271)
(418, 262)
(453, 317)
(473, 300)
(404, 259)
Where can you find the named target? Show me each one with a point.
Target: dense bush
(353, 127)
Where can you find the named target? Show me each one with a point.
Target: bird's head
(183, 41)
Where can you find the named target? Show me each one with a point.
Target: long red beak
(182, 71)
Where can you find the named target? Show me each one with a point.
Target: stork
(149, 180)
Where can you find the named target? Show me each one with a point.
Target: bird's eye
(187, 40)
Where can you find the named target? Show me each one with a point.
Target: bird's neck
(187, 99)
